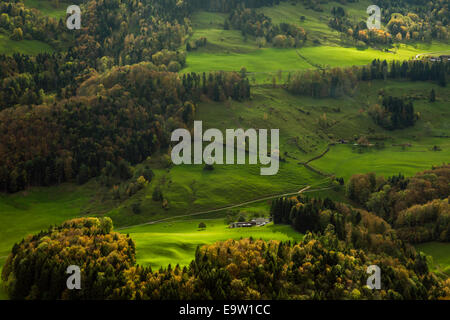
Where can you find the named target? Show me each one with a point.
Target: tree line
(336, 82)
(125, 114)
(227, 6)
(261, 27)
(402, 21)
(417, 206)
(313, 215)
(395, 113)
(415, 20)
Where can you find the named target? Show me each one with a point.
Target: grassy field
(175, 243)
(228, 50)
(30, 211)
(33, 47)
(440, 252)
(190, 188)
(275, 59)
(47, 7)
(345, 160)
(263, 63)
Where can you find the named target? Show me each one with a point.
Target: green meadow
(191, 189)
(263, 63)
(32, 47)
(432, 129)
(440, 253)
(344, 161)
(228, 50)
(175, 242)
(262, 60)
(315, 23)
(30, 211)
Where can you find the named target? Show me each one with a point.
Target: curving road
(304, 190)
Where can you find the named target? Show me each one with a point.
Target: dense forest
(359, 229)
(260, 26)
(417, 206)
(407, 19)
(395, 113)
(102, 254)
(112, 96)
(125, 114)
(402, 21)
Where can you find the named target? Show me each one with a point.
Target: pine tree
(442, 79)
(83, 174)
(432, 96)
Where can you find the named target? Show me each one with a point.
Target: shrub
(136, 208)
(157, 194)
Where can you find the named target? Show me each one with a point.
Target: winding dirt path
(307, 166)
(304, 190)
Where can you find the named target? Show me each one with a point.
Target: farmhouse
(258, 222)
(240, 224)
(440, 58)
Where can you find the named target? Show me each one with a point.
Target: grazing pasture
(48, 8)
(229, 50)
(174, 243)
(33, 47)
(440, 253)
